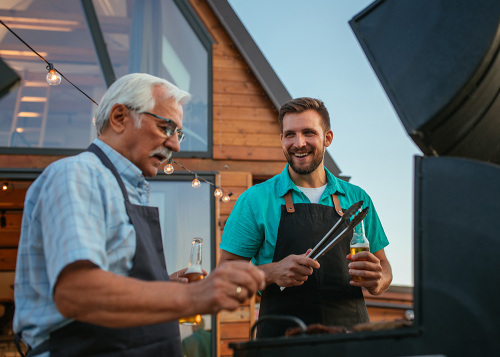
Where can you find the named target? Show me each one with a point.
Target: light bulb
(53, 77)
(218, 192)
(168, 169)
(226, 199)
(5, 187)
(196, 183)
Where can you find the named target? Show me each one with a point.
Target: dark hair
(299, 105)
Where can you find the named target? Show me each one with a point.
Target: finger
(301, 270)
(241, 294)
(244, 274)
(308, 262)
(365, 256)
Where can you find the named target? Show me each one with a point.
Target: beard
(317, 158)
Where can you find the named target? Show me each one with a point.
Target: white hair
(135, 91)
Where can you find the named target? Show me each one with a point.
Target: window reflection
(153, 36)
(36, 115)
(185, 213)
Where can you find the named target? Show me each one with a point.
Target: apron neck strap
(290, 208)
(289, 202)
(336, 203)
(93, 148)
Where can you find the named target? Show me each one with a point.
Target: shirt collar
(124, 166)
(286, 184)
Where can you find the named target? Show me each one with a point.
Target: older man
(91, 277)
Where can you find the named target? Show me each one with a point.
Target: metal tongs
(329, 240)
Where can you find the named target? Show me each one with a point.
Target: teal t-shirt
(252, 227)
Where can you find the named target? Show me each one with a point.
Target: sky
(314, 52)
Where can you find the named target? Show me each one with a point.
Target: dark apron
(326, 297)
(84, 339)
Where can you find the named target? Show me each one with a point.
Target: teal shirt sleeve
(242, 235)
(373, 228)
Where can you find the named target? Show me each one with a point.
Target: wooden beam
(232, 152)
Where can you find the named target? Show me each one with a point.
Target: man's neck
(317, 178)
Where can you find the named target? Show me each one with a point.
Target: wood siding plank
(245, 113)
(238, 87)
(8, 259)
(228, 152)
(253, 140)
(241, 100)
(9, 237)
(241, 314)
(235, 330)
(247, 127)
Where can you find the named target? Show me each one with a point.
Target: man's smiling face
(303, 141)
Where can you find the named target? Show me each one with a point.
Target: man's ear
(118, 117)
(328, 138)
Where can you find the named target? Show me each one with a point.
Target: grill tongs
(329, 240)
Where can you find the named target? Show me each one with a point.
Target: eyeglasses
(171, 127)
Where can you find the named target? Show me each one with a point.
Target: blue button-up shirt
(73, 211)
(252, 227)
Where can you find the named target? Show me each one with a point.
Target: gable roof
(259, 65)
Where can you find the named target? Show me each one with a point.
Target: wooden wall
(11, 210)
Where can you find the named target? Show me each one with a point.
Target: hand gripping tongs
(330, 240)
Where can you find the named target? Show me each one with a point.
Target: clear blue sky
(313, 50)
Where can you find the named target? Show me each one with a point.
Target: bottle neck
(195, 256)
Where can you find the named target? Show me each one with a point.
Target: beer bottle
(359, 243)
(194, 273)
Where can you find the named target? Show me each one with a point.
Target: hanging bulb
(53, 77)
(169, 168)
(5, 186)
(196, 183)
(227, 198)
(218, 192)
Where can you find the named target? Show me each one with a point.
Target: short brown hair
(299, 105)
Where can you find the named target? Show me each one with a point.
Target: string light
(169, 168)
(53, 77)
(196, 183)
(218, 192)
(227, 198)
(50, 66)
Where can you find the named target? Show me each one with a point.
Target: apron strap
(93, 148)
(336, 203)
(290, 208)
(289, 202)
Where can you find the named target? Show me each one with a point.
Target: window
(37, 115)
(154, 37)
(163, 38)
(186, 213)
